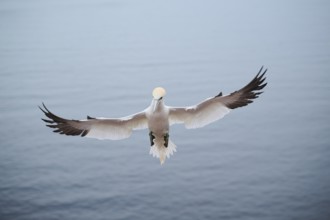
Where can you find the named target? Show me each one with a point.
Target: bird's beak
(159, 99)
(157, 102)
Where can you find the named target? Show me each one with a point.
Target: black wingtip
(249, 92)
(43, 104)
(61, 125)
(260, 70)
(261, 73)
(42, 109)
(47, 121)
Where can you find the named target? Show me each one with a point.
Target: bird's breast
(158, 122)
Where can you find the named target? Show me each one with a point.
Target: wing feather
(246, 95)
(100, 128)
(215, 108)
(198, 115)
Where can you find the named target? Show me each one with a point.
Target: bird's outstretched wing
(100, 128)
(215, 108)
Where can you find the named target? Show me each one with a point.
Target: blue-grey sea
(267, 161)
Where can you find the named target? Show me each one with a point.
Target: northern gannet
(158, 118)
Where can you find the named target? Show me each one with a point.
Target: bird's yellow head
(158, 92)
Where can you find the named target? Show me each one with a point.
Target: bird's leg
(166, 137)
(152, 137)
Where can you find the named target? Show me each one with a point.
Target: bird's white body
(158, 123)
(158, 118)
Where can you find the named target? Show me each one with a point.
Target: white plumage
(158, 117)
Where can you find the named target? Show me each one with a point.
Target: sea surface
(267, 161)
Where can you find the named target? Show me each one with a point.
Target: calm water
(267, 161)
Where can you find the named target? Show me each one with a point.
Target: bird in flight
(158, 118)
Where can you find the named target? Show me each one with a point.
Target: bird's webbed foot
(152, 137)
(166, 138)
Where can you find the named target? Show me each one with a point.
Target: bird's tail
(162, 152)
